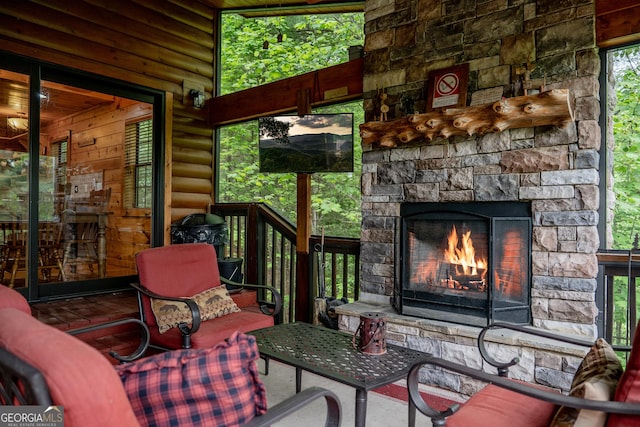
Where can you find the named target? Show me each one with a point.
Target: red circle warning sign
(447, 84)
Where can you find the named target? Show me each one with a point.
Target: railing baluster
(267, 243)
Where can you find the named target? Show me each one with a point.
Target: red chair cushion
(217, 386)
(213, 331)
(494, 406)
(628, 389)
(79, 378)
(177, 271)
(12, 298)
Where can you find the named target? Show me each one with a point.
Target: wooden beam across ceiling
(617, 23)
(331, 85)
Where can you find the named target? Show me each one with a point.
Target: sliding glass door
(79, 185)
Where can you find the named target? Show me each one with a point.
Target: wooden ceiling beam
(331, 85)
(617, 23)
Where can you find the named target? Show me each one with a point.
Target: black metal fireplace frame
(419, 304)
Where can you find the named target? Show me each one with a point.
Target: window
(138, 182)
(59, 152)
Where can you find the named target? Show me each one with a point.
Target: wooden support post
(303, 222)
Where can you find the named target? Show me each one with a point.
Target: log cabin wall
(166, 46)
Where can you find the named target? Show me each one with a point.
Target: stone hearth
(554, 169)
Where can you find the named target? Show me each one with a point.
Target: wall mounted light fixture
(197, 96)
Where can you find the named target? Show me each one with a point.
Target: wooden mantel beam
(339, 83)
(546, 108)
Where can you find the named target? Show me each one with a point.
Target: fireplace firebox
(466, 263)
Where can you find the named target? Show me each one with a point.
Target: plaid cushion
(215, 386)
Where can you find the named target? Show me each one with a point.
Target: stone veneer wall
(555, 169)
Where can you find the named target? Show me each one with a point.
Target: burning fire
(462, 253)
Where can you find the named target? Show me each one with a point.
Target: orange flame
(462, 253)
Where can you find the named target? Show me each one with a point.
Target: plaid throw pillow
(214, 302)
(596, 378)
(217, 386)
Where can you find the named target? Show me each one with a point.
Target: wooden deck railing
(619, 271)
(267, 243)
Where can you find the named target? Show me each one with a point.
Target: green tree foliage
(309, 42)
(626, 171)
(626, 153)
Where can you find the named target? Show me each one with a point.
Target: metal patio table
(331, 354)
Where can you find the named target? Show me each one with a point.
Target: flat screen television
(306, 144)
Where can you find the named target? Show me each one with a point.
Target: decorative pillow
(214, 302)
(218, 386)
(596, 378)
(629, 386)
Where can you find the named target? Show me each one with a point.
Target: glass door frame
(37, 72)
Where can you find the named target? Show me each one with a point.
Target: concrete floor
(382, 411)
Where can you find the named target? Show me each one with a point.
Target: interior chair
(601, 393)
(218, 386)
(50, 257)
(81, 236)
(14, 251)
(185, 302)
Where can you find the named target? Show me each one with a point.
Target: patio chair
(219, 386)
(601, 393)
(185, 302)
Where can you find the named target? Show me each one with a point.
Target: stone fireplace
(552, 170)
(467, 263)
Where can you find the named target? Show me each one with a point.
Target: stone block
(421, 192)
(578, 218)
(588, 240)
(431, 152)
(384, 79)
(578, 177)
(572, 311)
(495, 76)
(405, 35)
(553, 378)
(540, 263)
(462, 354)
(518, 49)
(494, 26)
(539, 307)
(588, 61)
(535, 160)
(546, 193)
(496, 142)
(456, 196)
(556, 136)
(589, 135)
(496, 187)
(565, 283)
(567, 36)
(545, 239)
(573, 265)
(587, 108)
(565, 295)
(396, 173)
(482, 160)
(549, 360)
(458, 179)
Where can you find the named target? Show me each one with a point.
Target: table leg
(361, 407)
(298, 380)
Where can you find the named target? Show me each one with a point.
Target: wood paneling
(617, 22)
(157, 44)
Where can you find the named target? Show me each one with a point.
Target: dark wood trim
(331, 85)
